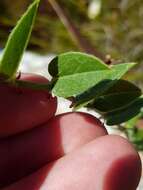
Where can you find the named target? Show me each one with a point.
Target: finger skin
(24, 153)
(107, 163)
(22, 109)
(77, 129)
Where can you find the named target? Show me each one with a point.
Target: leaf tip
(133, 64)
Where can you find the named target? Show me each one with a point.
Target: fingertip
(124, 174)
(77, 129)
(125, 171)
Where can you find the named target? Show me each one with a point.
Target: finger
(108, 163)
(24, 153)
(22, 108)
(76, 129)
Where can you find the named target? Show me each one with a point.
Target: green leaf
(75, 62)
(72, 82)
(17, 42)
(120, 70)
(117, 97)
(125, 114)
(75, 84)
(112, 78)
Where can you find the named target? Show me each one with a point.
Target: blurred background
(111, 30)
(111, 27)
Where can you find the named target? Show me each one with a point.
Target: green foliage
(88, 79)
(75, 73)
(116, 72)
(17, 42)
(75, 62)
(126, 113)
(119, 95)
(134, 131)
(117, 30)
(136, 137)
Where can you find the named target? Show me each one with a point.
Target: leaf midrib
(83, 73)
(119, 93)
(124, 107)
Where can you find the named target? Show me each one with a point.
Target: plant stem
(33, 86)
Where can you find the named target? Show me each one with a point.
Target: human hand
(71, 151)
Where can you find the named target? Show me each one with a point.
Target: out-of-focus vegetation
(111, 27)
(115, 27)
